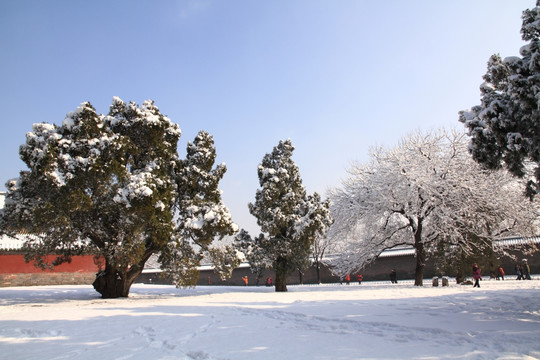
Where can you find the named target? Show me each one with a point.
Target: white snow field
(501, 320)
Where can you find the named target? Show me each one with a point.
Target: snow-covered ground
(501, 320)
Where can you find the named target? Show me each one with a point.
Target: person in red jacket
(477, 275)
(500, 273)
(348, 279)
(360, 278)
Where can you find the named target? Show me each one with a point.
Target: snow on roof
(407, 251)
(16, 243)
(512, 241)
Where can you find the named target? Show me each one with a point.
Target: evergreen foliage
(109, 185)
(202, 215)
(504, 128)
(289, 218)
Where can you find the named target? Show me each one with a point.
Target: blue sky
(336, 77)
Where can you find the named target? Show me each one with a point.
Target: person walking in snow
(477, 275)
(393, 276)
(348, 279)
(500, 273)
(360, 278)
(519, 272)
(245, 279)
(526, 270)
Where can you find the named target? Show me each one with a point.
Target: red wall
(15, 264)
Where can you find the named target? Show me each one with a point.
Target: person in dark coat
(393, 276)
(519, 272)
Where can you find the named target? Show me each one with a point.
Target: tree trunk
(420, 255)
(318, 269)
(281, 275)
(111, 283)
(420, 259)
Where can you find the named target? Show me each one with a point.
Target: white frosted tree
(424, 192)
(289, 218)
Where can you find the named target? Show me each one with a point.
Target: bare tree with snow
(425, 191)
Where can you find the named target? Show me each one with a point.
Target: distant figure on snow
(245, 279)
(500, 273)
(526, 270)
(393, 276)
(269, 281)
(360, 278)
(348, 279)
(476, 274)
(519, 272)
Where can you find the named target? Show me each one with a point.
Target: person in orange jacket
(500, 273)
(245, 278)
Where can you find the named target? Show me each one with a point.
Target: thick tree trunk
(111, 283)
(281, 275)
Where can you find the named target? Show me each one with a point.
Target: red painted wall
(15, 264)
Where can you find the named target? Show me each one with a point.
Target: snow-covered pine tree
(253, 253)
(101, 184)
(289, 218)
(504, 127)
(202, 215)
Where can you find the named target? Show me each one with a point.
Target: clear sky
(336, 77)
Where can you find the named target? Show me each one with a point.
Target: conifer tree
(202, 215)
(504, 127)
(289, 218)
(107, 185)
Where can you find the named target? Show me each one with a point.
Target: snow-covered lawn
(501, 320)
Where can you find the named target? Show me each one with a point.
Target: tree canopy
(107, 185)
(424, 192)
(504, 128)
(289, 218)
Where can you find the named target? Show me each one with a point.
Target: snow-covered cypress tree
(202, 215)
(289, 218)
(504, 127)
(100, 184)
(109, 185)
